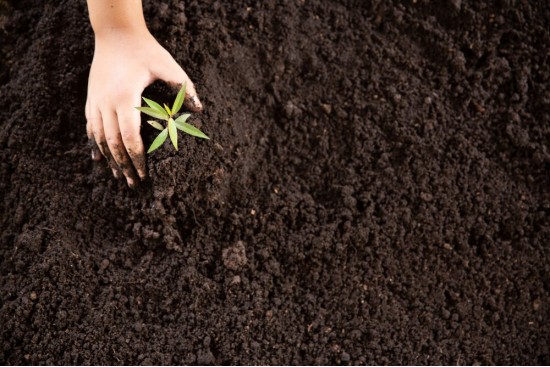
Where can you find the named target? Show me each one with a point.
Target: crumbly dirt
(376, 190)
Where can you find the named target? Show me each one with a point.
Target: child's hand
(124, 63)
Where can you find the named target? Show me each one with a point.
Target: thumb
(168, 70)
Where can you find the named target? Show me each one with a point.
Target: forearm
(109, 15)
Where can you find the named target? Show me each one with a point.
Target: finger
(130, 122)
(101, 142)
(192, 102)
(116, 146)
(172, 73)
(96, 154)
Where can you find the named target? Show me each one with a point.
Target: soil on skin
(375, 190)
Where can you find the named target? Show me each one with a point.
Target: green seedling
(157, 111)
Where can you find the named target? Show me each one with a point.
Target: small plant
(167, 114)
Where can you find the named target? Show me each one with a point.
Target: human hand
(125, 62)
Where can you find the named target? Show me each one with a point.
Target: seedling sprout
(166, 114)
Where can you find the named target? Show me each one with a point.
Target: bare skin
(127, 59)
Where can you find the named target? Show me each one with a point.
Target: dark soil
(376, 190)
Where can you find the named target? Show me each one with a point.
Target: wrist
(107, 34)
(115, 17)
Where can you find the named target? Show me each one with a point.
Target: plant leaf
(153, 112)
(173, 132)
(168, 110)
(158, 140)
(154, 105)
(190, 129)
(156, 125)
(183, 118)
(179, 99)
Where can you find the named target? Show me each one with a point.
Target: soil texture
(376, 189)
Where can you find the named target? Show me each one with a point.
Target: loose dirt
(376, 190)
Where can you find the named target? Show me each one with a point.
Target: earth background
(375, 190)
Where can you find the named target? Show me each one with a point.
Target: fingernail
(131, 182)
(116, 173)
(193, 103)
(96, 154)
(142, 175)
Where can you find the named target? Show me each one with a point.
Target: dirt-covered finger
(130, 126)
(96, 154)
(106, 152)
(117, 148)
(191, 101)
(104, 149)
(100, 141)
(122, 159)
(172, 73)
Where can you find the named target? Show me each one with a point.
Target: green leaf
(190, 129)
(156, 125)
(153, 112)
(183, 117)
(173, 132)
(158, 140)
(168, 110)
(154, 105)
(179, 99)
